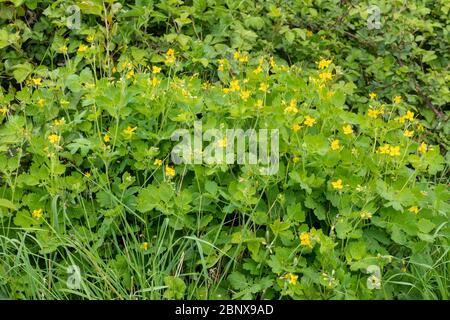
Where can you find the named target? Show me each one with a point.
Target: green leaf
(237, 280)
(342, 229)
(24, 220)
(279, 226)
(425, 225)
(429, 56)
(7, 38)
(319, 209)
(105, 199)
(316, 144)
(254, 22)
(296, 213)
(175, 288)
(357, 249)
(7, 204)
(398, 235)
(139, 55)
(21, 71)
(290, 36)
(73, 83)
(211, 187)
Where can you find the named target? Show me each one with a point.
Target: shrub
(357, 210)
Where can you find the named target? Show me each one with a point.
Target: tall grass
(116, 267)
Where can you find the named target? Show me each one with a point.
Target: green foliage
(86, 177)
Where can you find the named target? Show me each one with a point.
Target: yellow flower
(305, 239)
(169, 60)
(422, 148)
(258, 70)
(3, 110)
(41, 102)
(293, 103)
(337, 184)
(82, 48)
(206, 85)
(90, 38)
(126, 64)
(409, 116)
(397, 99)
(385, 149)
(37, 214)
(292, 278)
(335, 144)
(234, 85)
(414, 209)
(394, 151)
(157, 162)
(226, 90)
(245, 95)
(222, 63)
(170, 52)
(54, 138)
(365, 214)
(272, 62)
(222, 142)
(296, 127)
(155, 81)
(324, 76)
(309, 121)
(237, 55)
(36, 81)
(295, 159)
(145, 246)
(243, 58)
(170, 172)
(372, 113)
(130, 74)
(129, 130)
(347, 129)
(263, 87)
(372, 95)
(63, 49)
(420, 127)
(401, 119)
(408, 133)
(87, 174)
(259, 104)
(323, 63)
(107, 138)
(156, 69)
(58, 123)
(292, 107)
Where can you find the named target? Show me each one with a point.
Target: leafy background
(71, 196)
